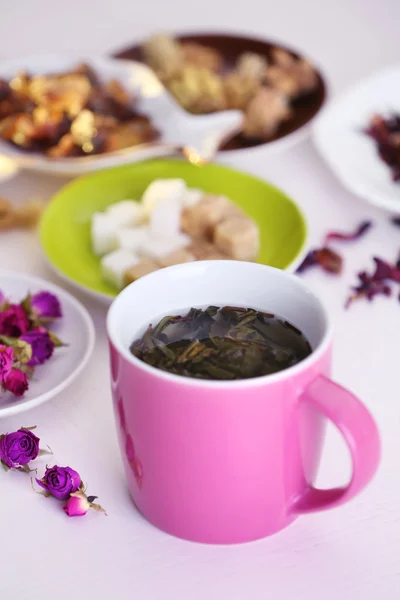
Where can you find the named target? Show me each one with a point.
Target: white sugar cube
(103, 234)
(132, 238)
(125, 213)
(165, 220)
(162, 190)
(192, 197)
(157, 246)
(114, 265)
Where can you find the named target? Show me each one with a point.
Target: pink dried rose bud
(16, 382)
(79, 504)
(13, 321)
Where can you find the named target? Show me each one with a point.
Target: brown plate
(231, 46)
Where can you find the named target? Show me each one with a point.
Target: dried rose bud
(79, 504)
(60, 482)
(13, 321)
(16, 382)
(18, 448)
(45, 306)
(41, 344)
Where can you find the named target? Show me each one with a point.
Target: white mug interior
(174, 290)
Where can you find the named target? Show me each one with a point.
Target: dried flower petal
(376, 284)
(355, 235)
(325, 258)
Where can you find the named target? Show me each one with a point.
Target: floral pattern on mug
(134, 461)
(121, 414)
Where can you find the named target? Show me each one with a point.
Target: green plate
(65, 225)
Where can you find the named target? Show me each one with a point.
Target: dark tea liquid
(222, 344)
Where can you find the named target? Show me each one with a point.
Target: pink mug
(231, 461)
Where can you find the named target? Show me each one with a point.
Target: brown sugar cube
(164, 55)
(28, 214)
(178, 257)
(200, 248)
(203, 250)
(199, 221)
(139, 270)
(198, 90)
(265, 113)
(202, 56)
(291, 76)
(239, 238)
(252, 65)
(239, 90)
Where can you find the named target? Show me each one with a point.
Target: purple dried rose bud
(41, 344)
(325, 258)
(60, 482)
(354, 235)
(45, 305)
(6, 361)
(13, 321)
(16, 382)
(19, 448)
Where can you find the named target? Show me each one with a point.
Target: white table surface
(350, 553)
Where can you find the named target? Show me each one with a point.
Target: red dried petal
(355, 235)
(383, 270)
(327, 259)
(376, 284)
(309, 261)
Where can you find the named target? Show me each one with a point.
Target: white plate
(75, 328)
(352, 155)
(177, 127)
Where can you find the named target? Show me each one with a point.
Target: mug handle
(361, 434)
